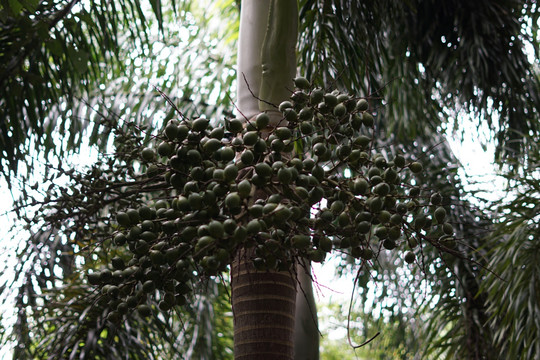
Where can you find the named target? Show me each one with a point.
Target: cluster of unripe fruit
(280, 190)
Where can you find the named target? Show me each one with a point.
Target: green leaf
(55, 46)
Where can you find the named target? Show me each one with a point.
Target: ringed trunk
(263, 305)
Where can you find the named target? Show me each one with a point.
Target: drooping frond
(58, 57)
(513, 289)
(431, 60)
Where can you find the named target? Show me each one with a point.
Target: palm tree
(340, 25)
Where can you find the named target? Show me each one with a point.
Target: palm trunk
(264, 302)
(306, 329)
(263, 305)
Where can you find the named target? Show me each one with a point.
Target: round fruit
(394, 233)
(362, 141)
(283, 133)
(247, 157)
(410, 257)
(399, 161)
(165, 149)
(340, 110)
(212, 145)
(300, 241)
(144, 310)
(384, 216)
(448, 229)
(148, 154)
(319, 149)
(230, 172)
(316, 255)
(440, 214)
(171, 130)
(316, 96)
(113, 316)
(204, 243)
(331, 100)
(396, 219)
(244, 188)
(302, 83)
(157, 257)
(420, 221)
(263, 170)
(210, 263)
(375, 204)
(325, 244)
(226, 154)
(391, 176)
(359, 187)
(194, 156)
(253, 227)
(416, 167)
(123, 219)
(435, 199)
(268, 208)
(133, 216)
(118, 263)
(282, 214)
(301, 192)
(145, 212)
(200, 124)
(367, 254)
(120, 239)
(362, 105)
(389, 244)
(290, 115)
(381, 232)
(277, 145)
(94, 278)
(285, 105)
(367, 119)
(260, 146)
(343, 219)
(315, 195)
(235, 126)
(216, 229)
(250, 138)
(195, 201)
(412, 242)
(217, 133)
(284, 176)
(382, 189)
(262, 120)
(363, 227)
(337, 207)
(183, 132)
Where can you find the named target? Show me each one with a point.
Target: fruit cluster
(311, 184)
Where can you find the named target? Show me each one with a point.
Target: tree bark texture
(263, 304)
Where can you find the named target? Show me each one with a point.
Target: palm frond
(430, 61)
(514, 246)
